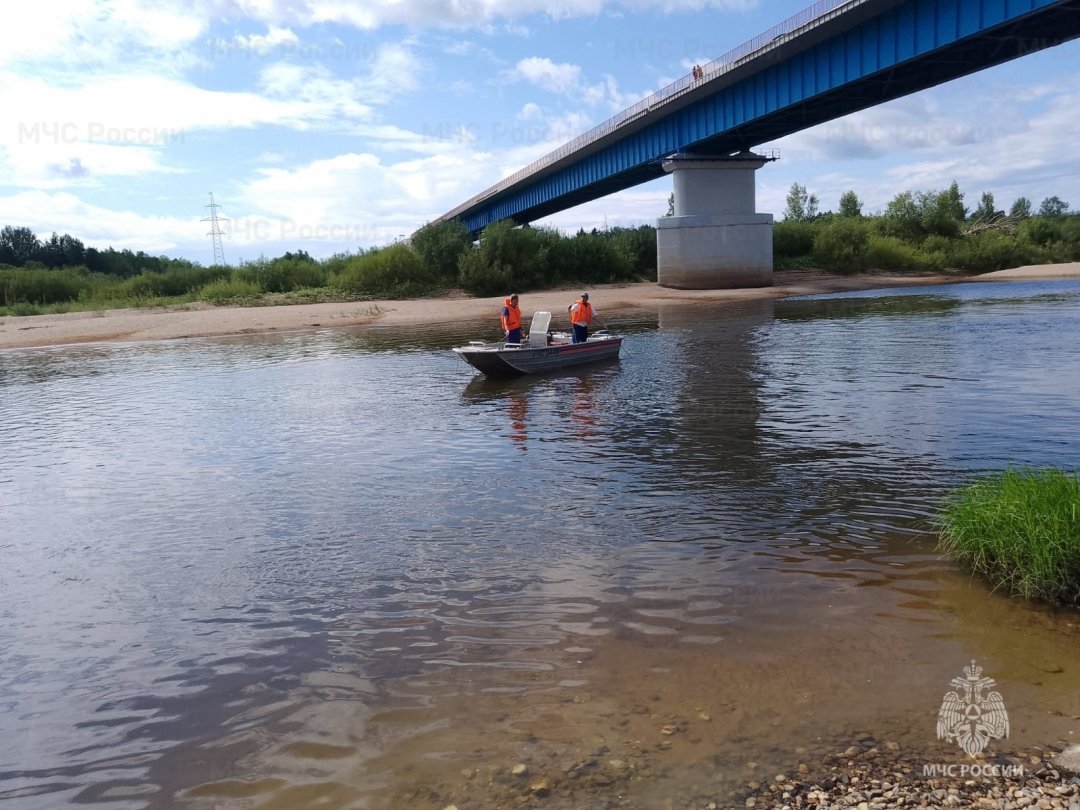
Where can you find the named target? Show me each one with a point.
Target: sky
(335, 125)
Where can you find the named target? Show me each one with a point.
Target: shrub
(991, 251)
(441, 247)
(228, 289)
(100, 286)
(1041, 230)
(1020, 529)
(589, 258)
(283, 274)
(522, 257)
(480, 278)
(793, 239)
(173, 282)
(841, 244)
(639, 247)
(24, 308)
(21, 285)
(889, 253)
(393, 272)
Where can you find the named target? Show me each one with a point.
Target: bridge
(832, 59)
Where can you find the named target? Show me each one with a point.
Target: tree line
(802, 206)
(924, 231)
(919, 231)
(21, 247)
(60, 274)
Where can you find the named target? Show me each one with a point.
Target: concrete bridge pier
(715, 240)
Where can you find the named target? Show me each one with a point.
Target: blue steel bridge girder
(890, 49)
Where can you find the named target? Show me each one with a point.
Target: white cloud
(1008, 143)
(315, 88)
(565, 79)
(554, 77)
(357, 198)
(122, 125)
(530, 112)
(372, 14)
(37, 30)
(98, 226)
(264, 43)
(627, 209)
(563, 128)
(92, 33)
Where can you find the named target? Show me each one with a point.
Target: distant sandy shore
(203, 320)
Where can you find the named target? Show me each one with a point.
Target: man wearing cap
(582, 314)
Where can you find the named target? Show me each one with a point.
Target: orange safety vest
(583, 314)
(513, 320)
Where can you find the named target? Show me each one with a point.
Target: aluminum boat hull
(499, 360)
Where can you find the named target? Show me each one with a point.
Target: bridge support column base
(715, 252)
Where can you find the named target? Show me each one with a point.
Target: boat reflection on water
(509, 395)
(562, 405)
(518, 410)
(583, 407)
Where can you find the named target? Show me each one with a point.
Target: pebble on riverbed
(875, 779)
(867, 775)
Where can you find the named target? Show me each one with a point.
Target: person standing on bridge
(511, 319)
(582, 314)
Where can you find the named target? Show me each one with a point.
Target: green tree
(801, 205)
(639, 246)
(62, 251)
(508, 257)
(590, 257)
(18, 246)
(1021, 208)
(1053, 207)
(942, 212)
(841, 244)
(850, 204)
(985, 210)
(952, 203)
(441, 245)
(111, 262)
(903, 216)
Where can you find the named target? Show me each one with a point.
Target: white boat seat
(538, 330)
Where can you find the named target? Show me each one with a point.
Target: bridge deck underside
(919, 44)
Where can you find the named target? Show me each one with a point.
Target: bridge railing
(711, 70)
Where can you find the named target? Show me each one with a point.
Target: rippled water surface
(339, 570)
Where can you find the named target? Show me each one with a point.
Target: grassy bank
(1019, 529)
(438, 258)
(924, 232)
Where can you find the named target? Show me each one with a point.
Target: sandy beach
(204, 320)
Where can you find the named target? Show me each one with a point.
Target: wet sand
(204, 320)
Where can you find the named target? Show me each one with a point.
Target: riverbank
(204, 320)
(868, 775)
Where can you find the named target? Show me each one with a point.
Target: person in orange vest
(511, 319)
(582, 313)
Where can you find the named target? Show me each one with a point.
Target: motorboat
(541, 351)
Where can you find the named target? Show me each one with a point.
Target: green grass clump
(229, 290)
(1019, 528)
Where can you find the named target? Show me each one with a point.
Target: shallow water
(338, 570)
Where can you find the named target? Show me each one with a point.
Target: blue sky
(331, 125)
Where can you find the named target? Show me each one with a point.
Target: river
(338, 570)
